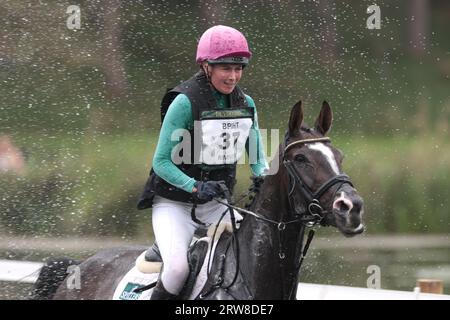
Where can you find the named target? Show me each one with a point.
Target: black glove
(208, 190)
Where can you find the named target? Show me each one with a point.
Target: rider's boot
(152, 254)
(160, 293)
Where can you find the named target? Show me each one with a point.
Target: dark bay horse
(264, 257)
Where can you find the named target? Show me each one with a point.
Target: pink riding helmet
(222, 44)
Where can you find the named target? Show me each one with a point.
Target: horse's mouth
(349, 223)
(353, 232)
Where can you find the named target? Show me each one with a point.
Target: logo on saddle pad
(128, 294)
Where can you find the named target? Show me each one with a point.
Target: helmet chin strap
(205, 67)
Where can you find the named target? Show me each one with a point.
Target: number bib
(223, 140)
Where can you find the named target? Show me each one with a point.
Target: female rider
(208, 124)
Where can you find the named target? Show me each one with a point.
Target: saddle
(151, 261)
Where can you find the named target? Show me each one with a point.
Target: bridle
(315, 212)
(314, 209)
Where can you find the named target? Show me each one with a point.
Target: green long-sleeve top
(179, 116)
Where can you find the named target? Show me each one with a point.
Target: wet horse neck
(268, 276)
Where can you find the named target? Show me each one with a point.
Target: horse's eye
(300, 158)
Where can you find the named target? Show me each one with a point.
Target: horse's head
(317, 187)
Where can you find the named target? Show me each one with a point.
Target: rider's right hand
(208, 190)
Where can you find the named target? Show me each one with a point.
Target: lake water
(399, 269)
(329, 261)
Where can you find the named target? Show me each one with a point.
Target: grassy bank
(89, 184)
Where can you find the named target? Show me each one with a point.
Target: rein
(313, 215)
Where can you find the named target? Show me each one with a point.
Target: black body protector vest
(215, 144)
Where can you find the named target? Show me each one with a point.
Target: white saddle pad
(135, 278)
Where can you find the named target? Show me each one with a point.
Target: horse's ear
(325, 118)
(296, 119)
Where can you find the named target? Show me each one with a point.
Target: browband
(312, 140)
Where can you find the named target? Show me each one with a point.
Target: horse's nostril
(342, 205)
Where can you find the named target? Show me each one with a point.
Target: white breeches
(174, 230)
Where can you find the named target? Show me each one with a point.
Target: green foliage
(89, 152)
(54, 79)
(91, 185)
(77, 186)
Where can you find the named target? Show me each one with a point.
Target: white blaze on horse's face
(342, 204)
(326, 151)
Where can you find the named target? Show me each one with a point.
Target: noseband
(315, 212)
